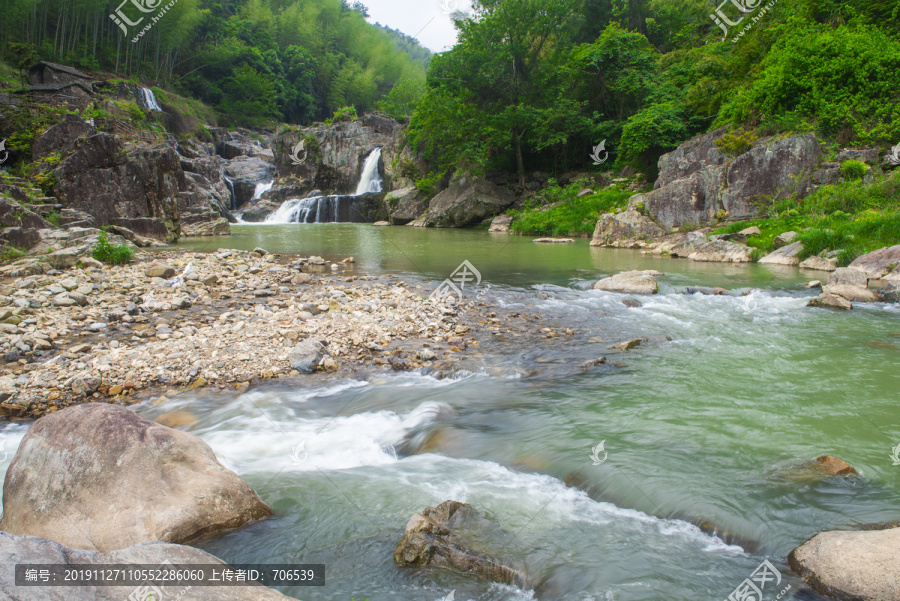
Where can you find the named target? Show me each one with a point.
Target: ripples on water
(705, 424)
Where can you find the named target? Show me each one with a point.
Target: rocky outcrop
(630, 282)
(434, 538)
(858, 565)
(771, 170)
(246, 172)
(696, 181)
(786, 255)
(407, 204)
(19, 224)
(62, 137)
(333, 156)
(101, 477)
(883, 263)
(33, 550)
(614, 228)
(467, 201)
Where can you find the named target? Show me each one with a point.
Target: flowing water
(149, 99)
(705, 423)
(336, 208)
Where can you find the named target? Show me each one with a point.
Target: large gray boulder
(408, 203)
(857, 565)
(630, 282)
(101, 477)
(696, 182)
(694, 199)
(883, 263)
(61, 138)
(770, 170)
(470, 200)
(20, 549)
(615, 228)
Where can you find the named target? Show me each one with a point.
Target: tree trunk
(520, 164)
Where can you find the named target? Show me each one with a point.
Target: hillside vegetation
(256, 61)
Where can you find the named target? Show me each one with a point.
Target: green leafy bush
(107, 253)
(853, 169)
(737, 143)
(573, 216)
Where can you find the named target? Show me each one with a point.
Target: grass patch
(107, 253)
(576, 217)
(849, 217)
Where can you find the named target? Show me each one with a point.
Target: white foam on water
(262, 188)
(370, 179)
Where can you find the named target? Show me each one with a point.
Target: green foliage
(107, 253)
(249, 96)
(53, 218)
(853, 169)
(573, 216)
(402, 99)
(737, 143)
(653, 131)
(344, 114)
(845, 79)
(425, 185)
(8, 254)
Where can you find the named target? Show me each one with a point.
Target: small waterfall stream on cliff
(262, 188)
(149, 99)
(335, 208)
(230, 183)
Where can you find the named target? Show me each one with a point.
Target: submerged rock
(554, 240)
(433, 538)
(706, 291)
(630, 282)
(851, 565)
(834, 466)
(33, 550)
(101, 477)
(830, 301)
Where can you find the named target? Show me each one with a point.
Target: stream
(708, 421)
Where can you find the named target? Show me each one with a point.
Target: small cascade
(149, 99)
(332, 209)
(320, 209)
(262, 188)
(370, 180)
(230, 183)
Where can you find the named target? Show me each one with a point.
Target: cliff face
(333, 156)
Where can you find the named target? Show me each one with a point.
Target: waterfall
(261, 189)
(370, 180)
(149, 99)
(230, 183)
(331, 209)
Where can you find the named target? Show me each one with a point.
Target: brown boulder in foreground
(101, 477)
(862, 566)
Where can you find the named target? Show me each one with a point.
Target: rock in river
(32, 550)
(433, 538)
(858, 565)
(101, 477)
(630, 282)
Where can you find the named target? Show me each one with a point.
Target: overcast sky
(426, 20)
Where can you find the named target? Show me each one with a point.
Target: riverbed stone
(307, 355)
(101, 477)
(159, 269)
(435, 538)
(15, 548)
(501, 223)
(630, 282)
(784, 239)
(859, 565)
(786, 255)
(830, 301)
(891, 293)
(819, 264)
(721, 251)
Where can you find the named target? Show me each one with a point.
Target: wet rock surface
(100, 477)
(436, 538)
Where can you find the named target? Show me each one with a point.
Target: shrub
(107, 253)
(853, 169)
(737, 143)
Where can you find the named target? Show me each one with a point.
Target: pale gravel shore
(117, 335)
